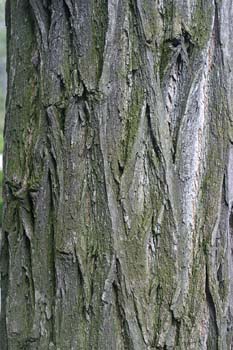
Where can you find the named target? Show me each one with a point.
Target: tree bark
(118, 218)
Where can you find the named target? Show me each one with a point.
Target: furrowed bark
(118, 191)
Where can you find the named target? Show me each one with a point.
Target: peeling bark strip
(118, 229)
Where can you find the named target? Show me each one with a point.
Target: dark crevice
(54, 284)
(52, 263)
(140, 37)
(49, 12)
(216, 32)
(62, 118)
(188, 44)
(177, 324)
(55, 184)
(175, 63)
(31, 206)
(86, 96)
(128, 344)
(175, 42)
(224, 191)
(42, 18)
(120, 168)
(74, 35)
(179, 63)
(56, 120)
(81, 286)
(221, 282)
(212, 341)
(117, 293)
(28, 267)
(179, 50)
(152, 134)
(68, 15)
(100, 24)
(137, 19)
(174, 152)
(140, 326)
(231, 222)
(90, 310)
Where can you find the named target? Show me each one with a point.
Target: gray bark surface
(118, 217)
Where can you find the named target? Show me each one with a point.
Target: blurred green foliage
(1, 142)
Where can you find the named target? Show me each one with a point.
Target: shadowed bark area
(118, 216)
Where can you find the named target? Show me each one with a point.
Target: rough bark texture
(118, 218)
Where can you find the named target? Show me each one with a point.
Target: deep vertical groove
(152, 134)
(212, 342)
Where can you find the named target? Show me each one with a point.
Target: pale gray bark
(118, 219)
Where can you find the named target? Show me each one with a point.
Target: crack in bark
(212, 341)
(152, 135)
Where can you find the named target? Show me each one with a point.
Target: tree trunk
(118, 218)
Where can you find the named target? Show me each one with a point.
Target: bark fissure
(212, 342)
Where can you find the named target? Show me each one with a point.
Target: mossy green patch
(201, 23)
